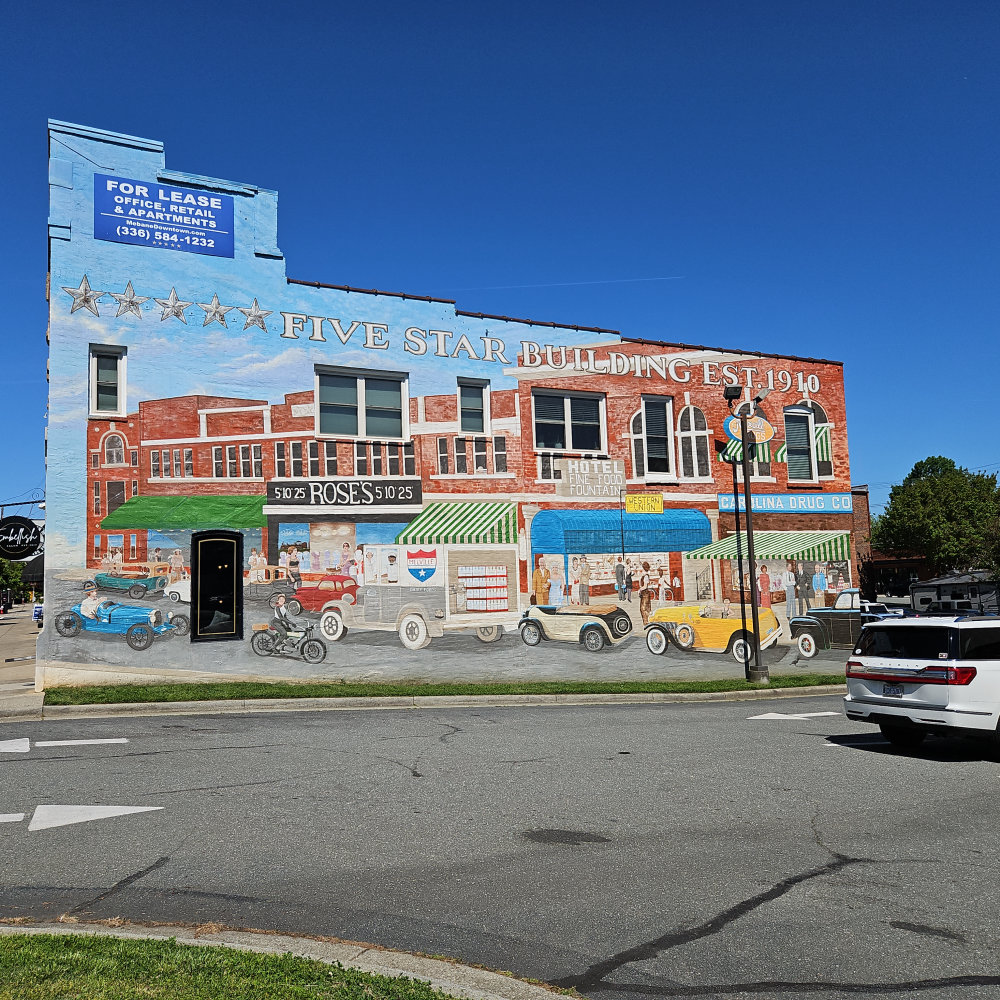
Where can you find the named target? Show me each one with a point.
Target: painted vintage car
(715, 628)
(594, 626)
(136, 586)
(332, 591)
(838, 627)
(179, 591)
(140, 626)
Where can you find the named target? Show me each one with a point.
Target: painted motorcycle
(269, 641)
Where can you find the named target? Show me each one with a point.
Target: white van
(916, 676)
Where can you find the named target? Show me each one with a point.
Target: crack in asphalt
(118, 886)
(412, 768)
(593, 978)
(447, 736)
(137, 753)
(784, 986)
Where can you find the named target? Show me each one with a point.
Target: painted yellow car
(714, 628)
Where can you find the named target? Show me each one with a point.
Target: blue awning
(589, 532)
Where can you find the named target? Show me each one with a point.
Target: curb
(264, 705)
(451, 977)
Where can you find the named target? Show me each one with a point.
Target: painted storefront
(228, 446)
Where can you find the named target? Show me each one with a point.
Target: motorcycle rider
(282, 622)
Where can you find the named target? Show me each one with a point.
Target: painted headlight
(154, 618)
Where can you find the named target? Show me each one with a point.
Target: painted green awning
(822, 546)
(464, 523)
(189, 513)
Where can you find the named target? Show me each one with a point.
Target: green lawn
(78, 967)
(238, 690)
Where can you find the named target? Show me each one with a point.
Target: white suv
(916, 676)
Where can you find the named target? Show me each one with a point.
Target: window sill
(464, 476)
(805, 484)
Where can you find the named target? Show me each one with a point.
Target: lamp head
(732, 392)
(761, 393)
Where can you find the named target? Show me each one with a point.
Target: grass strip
(116, 694)
(60, 967)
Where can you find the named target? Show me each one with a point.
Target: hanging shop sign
(589, 477)
(161, 215)
(20, 538)
(791, 503)
(345, 492)
(758, 426)
(643, 503)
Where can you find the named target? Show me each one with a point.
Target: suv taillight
(951, 675)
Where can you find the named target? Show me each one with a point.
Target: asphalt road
(630, 851)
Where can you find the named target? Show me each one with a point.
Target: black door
(116, 496)
(216, 586)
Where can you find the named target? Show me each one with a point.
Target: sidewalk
(18, 632)
(450, 977)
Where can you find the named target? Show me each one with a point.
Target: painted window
(97, 546)
(693, 443)
(178, 468)
(95, 459)
(154, 464)
(442, 456)
(799, 453)
(409, 460)
(218, 470)
(280, 465)
(97, 498)
(638, 448)
(360, 459)
(188, 462)
(232, 468)
(258, 461)
(114, 450)
(313, 458)
(135, 487)
(394, 452)
(377, 462)
(461, 457)
(822, 439)
(331, 457)
(165, 462)
(500, 454)
(568, 422)
(107, 380)
(131, 548)
(134, 455)
(479, 455)
(473, 404)
(657, 425)
(246, 470)
(296, 459)
(361, 403)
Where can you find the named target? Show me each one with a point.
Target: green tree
(944, 513)
(10, 577)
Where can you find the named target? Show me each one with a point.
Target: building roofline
(369, 291)
(537, 322)
(730, 350)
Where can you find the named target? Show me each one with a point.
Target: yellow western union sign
(644, 503)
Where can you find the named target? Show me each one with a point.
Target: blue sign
(791, 503)
(159, 215)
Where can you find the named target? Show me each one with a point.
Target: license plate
(892, 690)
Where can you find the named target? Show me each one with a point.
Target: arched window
(822, 443)
(760, 465)
(114, 450)
(638, 448)
(692, 435)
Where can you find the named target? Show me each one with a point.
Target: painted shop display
(386, 472)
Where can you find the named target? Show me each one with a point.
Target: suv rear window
(906, 642)
(981, 644)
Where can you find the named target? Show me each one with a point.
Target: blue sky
(813, 179)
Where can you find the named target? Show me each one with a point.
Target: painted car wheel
(489, 633)
(531, 634)
(313, 651)
(69, 624)
(181, 624)
(174, 596)
(139, 636)
(262, 644)
(807, 644)
(332, 626)
(742, 648)
(294, 606)
(684, 636)
(413, 632)
(594, 639)
(657, 641)
(136, 591)
(621, 625)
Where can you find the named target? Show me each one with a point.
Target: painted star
(84, 297)
(128, 301)
(255, 316)
(214, 311)
(173, 306)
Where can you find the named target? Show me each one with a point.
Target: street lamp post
(739, 570)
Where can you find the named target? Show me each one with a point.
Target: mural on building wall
(403, 474)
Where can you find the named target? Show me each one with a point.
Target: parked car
(838, 627)
(135, 586)
(179, 590)
(716, 628)
(139, 625)
(883, 610)
(331, 592)
(593, 626)
(37, 614)
(916, 676)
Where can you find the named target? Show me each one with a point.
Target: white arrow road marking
(22, 746)
(11, 817)
(802, 715)
(46, 817)
(75, 743)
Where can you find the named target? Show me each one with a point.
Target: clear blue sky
(810, 178)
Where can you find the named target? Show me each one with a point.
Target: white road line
(778, 715)
(46, 817)
(75, 743)
(14, 746)
(11, 817)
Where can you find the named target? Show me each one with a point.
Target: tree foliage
(10, 577)
(946, 514)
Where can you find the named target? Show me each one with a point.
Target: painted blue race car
(139, 625)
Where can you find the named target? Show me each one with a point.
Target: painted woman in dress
(557, 591)
(764, 588)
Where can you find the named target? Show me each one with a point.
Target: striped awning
(733, 452)
(823, 546)
(463, 523)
